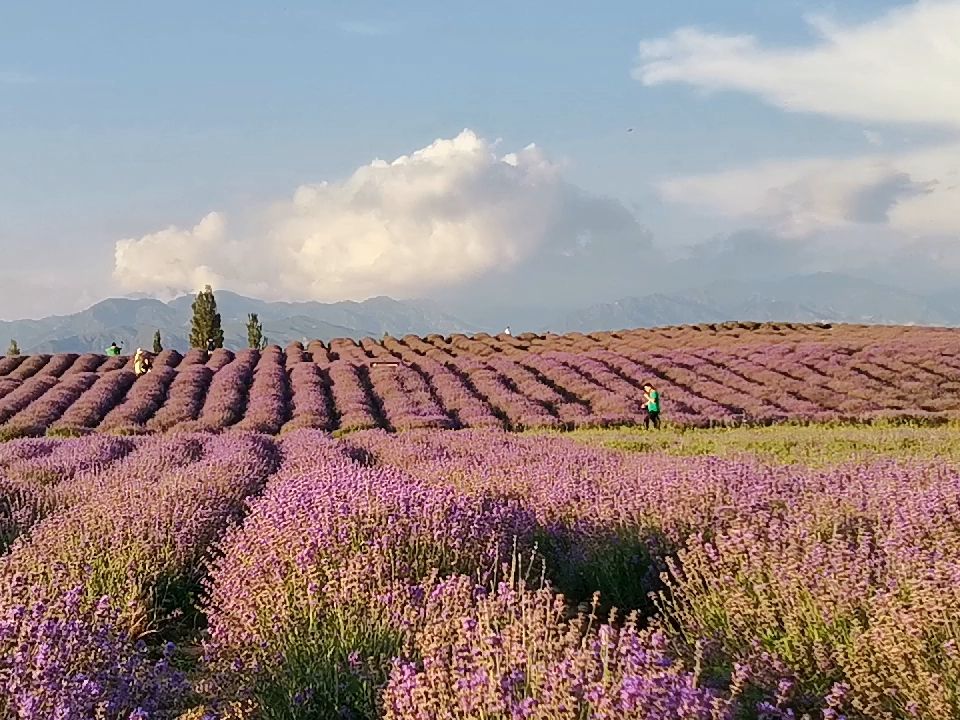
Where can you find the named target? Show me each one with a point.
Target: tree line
(206, 329)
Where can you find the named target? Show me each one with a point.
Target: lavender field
(472, 574)
(731, 374)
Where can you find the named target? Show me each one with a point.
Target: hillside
(811, 298)
(818, 297)
(707, 374)
(134, 320)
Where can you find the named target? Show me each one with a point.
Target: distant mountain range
(133, 321)
(822, 297)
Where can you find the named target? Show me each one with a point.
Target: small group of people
(142, 362)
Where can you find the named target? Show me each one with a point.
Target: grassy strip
(812, 445)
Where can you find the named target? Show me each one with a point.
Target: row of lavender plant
(73, 660)
(93, 405)
(88, 362)
(531, 384)
(514, 652)
(610, 398)
(585, 384)
(24, 394)
(9, 363)
(679, 400)
(794, 389)
(59, 364)
(823, 592)
(61, 658)
(30, 366)
(194, 356)
(7, 386)
(693, 376)
(295, 354)
(226, 398)
(218, 359)
(120, 362)
(132, 548)
(267, 406)
(310, 398)
(854, 594)
(828, 591)
(348, 580)
(356, 588)
(184, 398)
(36, 417)
(141, 403)
(349, 351)
(26, 449)
(461, 401)
(351, 401)
(32, 475)
(520, 411)
(469, 407)
(406, 398)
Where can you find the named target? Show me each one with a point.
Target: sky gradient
(330, 151)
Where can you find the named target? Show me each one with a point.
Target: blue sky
(122, 120)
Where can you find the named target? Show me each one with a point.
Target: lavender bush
(310, 398)
(302, 584)
(59, 659)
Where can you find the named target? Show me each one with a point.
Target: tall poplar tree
(206, 321)
(255, 338)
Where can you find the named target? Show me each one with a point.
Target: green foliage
(66, 431)
(14, 349)
(255, 337)
(157, 344)
(316, 680)
(617, 564)
(811, 445)
(205, 325)
(14, 432)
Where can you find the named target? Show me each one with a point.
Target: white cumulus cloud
(173, 259)
(445, 214)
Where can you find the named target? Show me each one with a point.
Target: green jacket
(113, 351)
(653, 404)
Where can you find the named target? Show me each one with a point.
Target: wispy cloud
(15, 77)
(366, 29)
(901, 67)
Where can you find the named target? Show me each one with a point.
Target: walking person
(113, 350)
(652, 398)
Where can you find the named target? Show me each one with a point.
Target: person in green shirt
(113, 350)
(652, 398)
